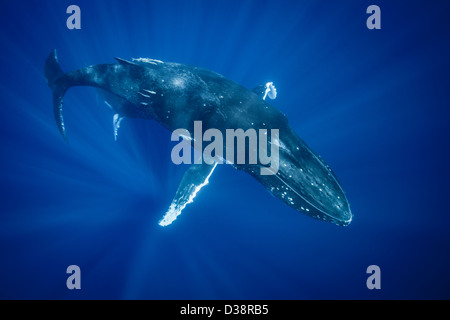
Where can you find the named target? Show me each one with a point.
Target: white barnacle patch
(144, 95)
(97, 77)
(187, 138)
(147, 60)
(179, 82)
(270, 91)
(149, 91)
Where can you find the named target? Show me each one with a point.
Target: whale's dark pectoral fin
(195, 178)
(266, 90)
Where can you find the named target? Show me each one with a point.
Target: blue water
(373, 103)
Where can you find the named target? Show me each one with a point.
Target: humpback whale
(177, 95)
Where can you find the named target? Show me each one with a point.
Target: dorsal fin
(260, 91)
(123, 61)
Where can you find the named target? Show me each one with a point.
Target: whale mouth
(306, 183)
(318, 186)
(329, 204)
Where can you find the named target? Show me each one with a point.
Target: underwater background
(373, 103)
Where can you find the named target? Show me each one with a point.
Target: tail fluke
(57, 81)
(52, 69)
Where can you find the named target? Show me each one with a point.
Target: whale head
(305, 182)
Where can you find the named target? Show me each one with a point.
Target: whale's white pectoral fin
(117, 119)
(195, 178)
(267, 90)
